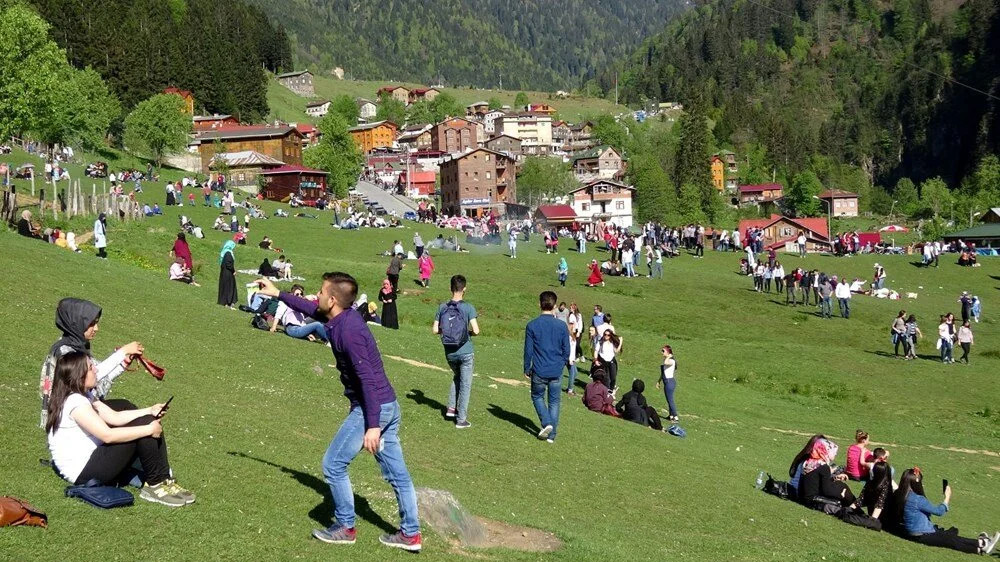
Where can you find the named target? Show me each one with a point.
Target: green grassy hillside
(253, 412)
(288, 106)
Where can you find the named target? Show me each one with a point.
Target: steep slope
(542, 44)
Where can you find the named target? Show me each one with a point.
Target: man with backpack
(455, 322)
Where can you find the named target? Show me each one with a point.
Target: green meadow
(253, 412)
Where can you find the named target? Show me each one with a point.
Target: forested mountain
(867, 83)
(537, 44)
(218, 50)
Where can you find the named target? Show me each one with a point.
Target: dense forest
(904, 89)
(536, 44)
(218, 50)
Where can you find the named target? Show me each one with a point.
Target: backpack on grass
(776, 487)
(454, 325)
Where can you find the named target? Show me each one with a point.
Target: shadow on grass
(323, 512)
(514, 419)
(936, 358)
(421, 398)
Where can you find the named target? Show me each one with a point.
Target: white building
(606, 200)
(489, 121)
(534, 130)
(366, 109)
(318, 108)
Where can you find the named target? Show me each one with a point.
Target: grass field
(253, 412)
(288, 106)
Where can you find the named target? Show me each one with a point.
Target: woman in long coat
(227, 275)
(100, 236)
(387, 296)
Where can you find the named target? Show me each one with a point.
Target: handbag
(15, 512)
(152, 368)
(105, 497)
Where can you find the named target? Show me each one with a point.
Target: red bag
(14, 512)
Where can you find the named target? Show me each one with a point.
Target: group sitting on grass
(902, 509)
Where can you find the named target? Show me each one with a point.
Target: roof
(557, 212)
(362, 101)
(495, 137)
(246, 158)
(292, 169)
(837, 194)
(580, 126)
(593, 182)
(293, 74)
(178, 91)
(419, 91)
(418, 176)
(367, 126)
(241, 132)
(305, 128)
(527, 114)
(480, 149)
(757, 188)
(477, 103)
(391, 89)
(987, 230)
(317, 103)
(594, 152)
(215, 117)
(725, 153)
(815, 225)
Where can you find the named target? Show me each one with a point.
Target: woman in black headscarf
(77, 320)
(633, 407)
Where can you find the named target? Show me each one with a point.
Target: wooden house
(185, 95)
(281, 183)
(604, 199)
(761, 193)
(209, 122)
(840, 203)
(300, 82)
(555, 215)
(282, 143)
(780, 231)
(398, 92)
(243, 167)
(380, 134)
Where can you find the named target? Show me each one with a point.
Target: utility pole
(616, 87)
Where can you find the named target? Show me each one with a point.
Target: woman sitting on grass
(633, 407)
(819, 486)
(180, 272)
(296, 324)
(90, 441)
(913, 512)
(596, 395)
(795, 470)
(875, 496)
(859, 458)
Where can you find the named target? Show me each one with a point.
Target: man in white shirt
(843, 294)
(802, 244)
(879, 276)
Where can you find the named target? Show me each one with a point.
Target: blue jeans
(572, 377)
(825, 307)
(629, 269)
(547, 415)
(301, 332)
(347, 444)
(879, 283)
(946, 349)
(845, 307)
(668, 390)
(583, 246)
(461, 384)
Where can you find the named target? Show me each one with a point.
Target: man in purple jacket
(373, 421)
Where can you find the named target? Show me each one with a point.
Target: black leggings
(948, 539)
(965, 350)
(110, 462)
(611, 370)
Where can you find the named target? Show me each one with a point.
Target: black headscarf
(73, 317)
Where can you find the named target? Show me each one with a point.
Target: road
(388, 201)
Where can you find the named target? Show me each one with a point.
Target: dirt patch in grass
(416, 363)
(511, 382)
(516, 537)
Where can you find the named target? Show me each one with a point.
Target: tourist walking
(227, 275)
(455, 323)
(825, 294)
(912, 334)
(574, 322)
(101, 236)
(966, 301)
(546, 351)
(606, 355)
(945, 342)
(898, 331)
(667, 370)
(843, 294)
(596, 277)
(965, 340)
(418, 244)
(562, 270)
(425, 265)
(512, 243)
(374, 419)
(392, 272)
(387, 296)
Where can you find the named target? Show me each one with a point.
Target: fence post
(93, 198)
(55, 201)
(32, 176)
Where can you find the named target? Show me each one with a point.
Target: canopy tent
(894, 228)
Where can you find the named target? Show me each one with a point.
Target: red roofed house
(604, 199)
(185, 95)
(841, 203)
(779, 231)
(555, 215)
(281, 183)
(310, 133)
(399, 92)
(416, 184)
(761, 193)
(541, 108)
(454, 135)
(423, 94)
(209, 122)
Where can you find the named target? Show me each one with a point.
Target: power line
(907, 63)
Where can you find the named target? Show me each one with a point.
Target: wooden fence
(73, 201)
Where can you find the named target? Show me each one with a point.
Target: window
(487, 157)
(584, 206)
(241, 176)
(489, 175)
(850, 203)
(620, 205)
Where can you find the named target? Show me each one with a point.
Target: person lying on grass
(296, 324)
(90, 441)
(913, 511)
(77, 320)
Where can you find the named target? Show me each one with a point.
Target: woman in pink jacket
(425, 265)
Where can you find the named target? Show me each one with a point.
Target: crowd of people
(899, 507)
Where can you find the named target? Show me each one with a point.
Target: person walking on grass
(657, 265)
(898, 331)
(546, 351)
(912, 334)
(101, 236)
(562, 270)
(965, 340)
(945, 341)
(843, 294)
(373, 421)
(455, 322)
(667, 370)
(825, 304)
(512, 243)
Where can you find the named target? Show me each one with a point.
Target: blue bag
(105, 497)
(677, 431)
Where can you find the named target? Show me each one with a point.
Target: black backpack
(260, 322)
(454, 326)
(776, 487)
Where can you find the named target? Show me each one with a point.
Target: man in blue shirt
(546, 353)
(374, 418)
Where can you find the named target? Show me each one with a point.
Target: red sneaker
(398, 539)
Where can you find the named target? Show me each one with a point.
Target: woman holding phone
(914, 510)
(90, 441)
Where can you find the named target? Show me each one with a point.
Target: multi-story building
(398, 92)
(366, 109)
(423, 94)
(282, 143)
(606, 200)
(478, 182)
(380, 134)
(761, 193)
(840, 203)
(602, 162)
(718, 173)
(209, 122)
(455, 135)
(318, 108)
(505, 144)
(534, 130)
(415, 138)
(300, 82)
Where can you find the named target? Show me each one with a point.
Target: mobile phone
(163, 410)
(944, 485)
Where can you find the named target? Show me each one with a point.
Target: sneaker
(162, 494)
(550, 440)
(176, 490)
(336, 534)
(570, 392)
(398, 539)
(449, 413)
(991, 544)
(545, 432)
(463, 424)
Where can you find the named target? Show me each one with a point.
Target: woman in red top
(181, 250)
(859, 458)
(596, 277)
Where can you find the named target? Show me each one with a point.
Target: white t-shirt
(667, 371)
(71, 446)
(606, 351)
(603, 327)
(176, 271)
